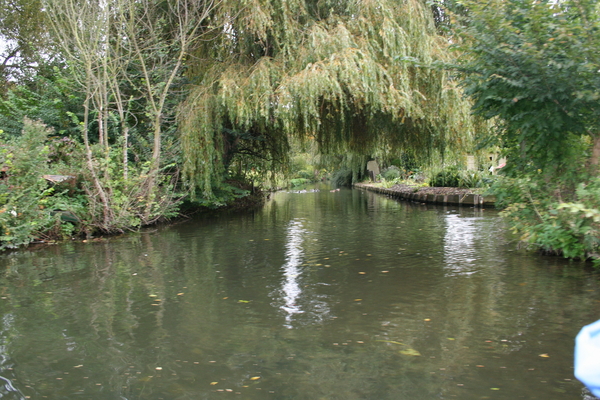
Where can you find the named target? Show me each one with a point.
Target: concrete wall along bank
(466, 200)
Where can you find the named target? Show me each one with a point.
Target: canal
(319, 295)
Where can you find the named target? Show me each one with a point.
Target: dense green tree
(534, 66)
(123, 52)
(47, 96)
(354, 76)
(24, 38)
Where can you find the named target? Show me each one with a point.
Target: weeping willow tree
(355, 77)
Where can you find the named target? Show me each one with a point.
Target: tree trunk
(106, 211)
(595, 157)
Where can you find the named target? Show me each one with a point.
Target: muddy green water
(345, 295)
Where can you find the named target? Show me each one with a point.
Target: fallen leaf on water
(243, 301)
(391, 341)
(545, 355)
(362, 273)
(179, 294)
(214, 383)
(357, 299)
(451, 338)
(410, 352)
(254, 378)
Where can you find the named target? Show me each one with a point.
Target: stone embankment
(434, 195)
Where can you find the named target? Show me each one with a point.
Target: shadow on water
(319, 295)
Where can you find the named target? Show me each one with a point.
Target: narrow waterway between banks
(319, 295)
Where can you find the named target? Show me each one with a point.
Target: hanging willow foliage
(352, 75)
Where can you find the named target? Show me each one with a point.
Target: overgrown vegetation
(351, 79)
(461, 178)
(46, 195)
(533, 67)
(144, 103)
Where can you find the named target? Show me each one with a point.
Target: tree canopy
(535, 65)
(354, 76)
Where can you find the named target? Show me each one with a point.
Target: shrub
(299, 182)
(448, 177)
(566, 222)
(391, 173)
(453, 177)
(29, 208)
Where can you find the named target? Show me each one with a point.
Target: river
(320, 295)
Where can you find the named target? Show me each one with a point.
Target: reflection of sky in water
(291, 288)
(460, 254)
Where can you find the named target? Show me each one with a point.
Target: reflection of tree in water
(92, 306)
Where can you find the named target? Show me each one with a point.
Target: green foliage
(357, 80)
(48, 97)
(342, 177)
(295, 182)
(391, 173)
(29, 208)
(303, 171)
(33, 209)
(567, 223)
(224, 195)
(448, 177)
(475, 179)
(534, 65)
(455, 177)
(23, 33)
(407, 162)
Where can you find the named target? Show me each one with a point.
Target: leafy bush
(453, 177)
(565, 223)
(299, 182)
(391, 173)
(29, 208)
(306, 174)
(448, 177)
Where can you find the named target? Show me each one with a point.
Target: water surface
(330, 295)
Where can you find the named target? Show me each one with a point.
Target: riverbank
(434, 195)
